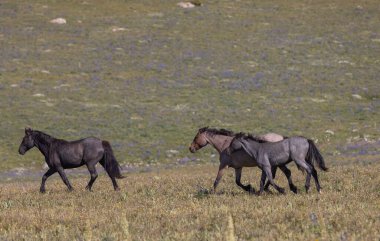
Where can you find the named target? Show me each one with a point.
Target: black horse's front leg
(49, 172)
(248, 187)
(64, 178)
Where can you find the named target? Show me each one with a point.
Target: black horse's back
(109, 161)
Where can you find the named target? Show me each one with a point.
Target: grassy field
(145, 75)
(172, 205)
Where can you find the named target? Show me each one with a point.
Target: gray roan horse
(61, 154)
(298, 149)
(221, 140)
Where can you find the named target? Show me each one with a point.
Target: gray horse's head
(27, 142)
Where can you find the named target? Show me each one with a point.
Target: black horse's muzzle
(21, 150)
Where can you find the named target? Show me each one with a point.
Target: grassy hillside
(145, 75)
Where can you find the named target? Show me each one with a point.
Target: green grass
(171, 205)
(280, 66)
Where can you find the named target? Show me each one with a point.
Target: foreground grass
(172, 205)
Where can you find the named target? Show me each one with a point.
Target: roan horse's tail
(314, 154)
(109, 161)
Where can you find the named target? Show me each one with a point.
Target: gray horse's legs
(64, 178)
(288, 175)
(308, 169)
(248, 187)
(315, 176)
(94, 175)
(45, 177)
(267, 171)
(219, 175)
(274, 170)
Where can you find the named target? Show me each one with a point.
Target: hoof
(117, 189)
(281, 190)
(42, 191)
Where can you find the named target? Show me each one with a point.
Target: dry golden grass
(172, 205)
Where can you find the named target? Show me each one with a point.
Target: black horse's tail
(109, 161)
(314, 154)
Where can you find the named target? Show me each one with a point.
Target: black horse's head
(27, 141)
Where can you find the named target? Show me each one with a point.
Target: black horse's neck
(42, 141)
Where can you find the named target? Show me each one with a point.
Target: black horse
(60, 154)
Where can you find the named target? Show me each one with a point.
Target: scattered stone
(356, 96)
(316, 100)
(186, 5)
(60, 86)
(38, 95)
(117, 29)
(45, 71)
(58, 21)
(329, 132)
(14, 85)
(172, 151)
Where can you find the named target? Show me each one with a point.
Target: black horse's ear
(28, 131)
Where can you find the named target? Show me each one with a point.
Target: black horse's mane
(42, 136)
(214, 131)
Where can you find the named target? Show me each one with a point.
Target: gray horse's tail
(109, 161)
(313, 154)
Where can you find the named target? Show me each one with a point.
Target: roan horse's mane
(213, 131)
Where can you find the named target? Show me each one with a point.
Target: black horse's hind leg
(64, 178)
(114, 183)
(248, 187)
(288, 175)
(45, 177)
(266, 187)
(93, 174)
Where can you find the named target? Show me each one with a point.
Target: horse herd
(236, 150)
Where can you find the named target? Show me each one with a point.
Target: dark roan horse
(60, 154)
(268, 155)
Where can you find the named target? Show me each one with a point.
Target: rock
(186, 5)
(117, 29)
(58, 21)
(38, 95)
(356, 96)
(329, 132)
